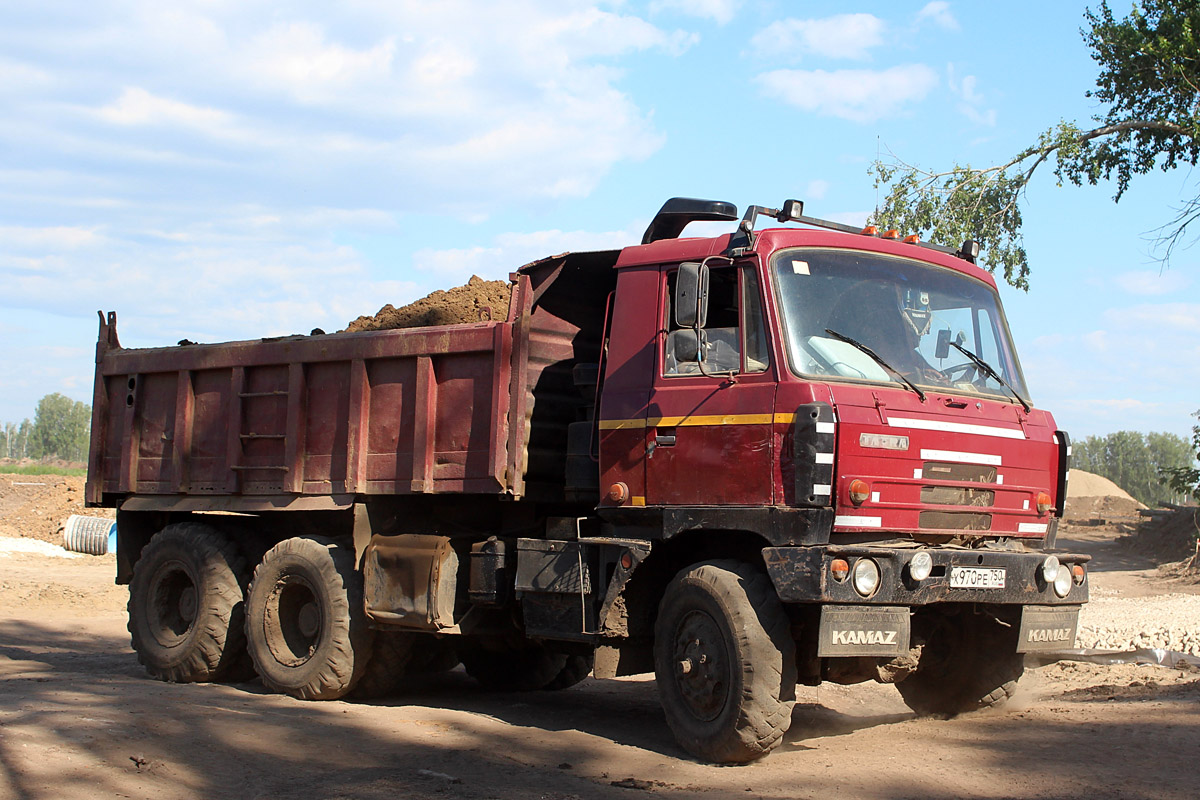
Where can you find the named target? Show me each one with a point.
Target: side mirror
(691, 295)
(686, 343)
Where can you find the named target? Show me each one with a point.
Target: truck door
(709, 422)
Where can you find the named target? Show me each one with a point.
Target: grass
(42, 469)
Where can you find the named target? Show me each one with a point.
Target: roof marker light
(870, 230)
(912, 239)
(891, 233)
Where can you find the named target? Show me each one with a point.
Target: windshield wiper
(983, 365)
(878, 360)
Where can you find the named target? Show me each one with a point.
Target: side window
(757, 353)
(721, 342)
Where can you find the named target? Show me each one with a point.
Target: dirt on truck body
(743, 463)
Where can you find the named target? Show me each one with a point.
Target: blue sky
(223, 170)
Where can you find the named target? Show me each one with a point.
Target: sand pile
(1090, 496)
(476, 301)
(37, 506)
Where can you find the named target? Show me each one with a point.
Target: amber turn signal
(618, 493)
(840, 568)
(1044, 503)
(1077, 573)
(860, 490)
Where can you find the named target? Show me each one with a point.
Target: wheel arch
(644, 590)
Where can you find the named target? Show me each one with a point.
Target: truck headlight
(920, 566)
(1050, 569)
(1063, 582)
(866, 577)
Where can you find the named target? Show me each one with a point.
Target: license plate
(977, 577)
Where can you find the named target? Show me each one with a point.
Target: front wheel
(968, 662)
(725, 662)
(306, 627)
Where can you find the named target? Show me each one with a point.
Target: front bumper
(803, 575)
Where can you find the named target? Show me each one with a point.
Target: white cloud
(855, 95)
(938, 12)
(720, 11)
(816, 190)
(971, 101)
(137, 106)
(512, 250)
(1151, 283)
(297, 56)
(849, 36)
(1157, 318)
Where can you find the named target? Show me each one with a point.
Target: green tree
(1185, 478)
(28, 447)
(1136, 462)
(61, 427)
(1147, 86)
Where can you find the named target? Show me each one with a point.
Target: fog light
(1050, 569)
(859, 491)
(920, 566)
(840, 568)
(1062, 582)
(866, 577)
(1077, 573)
(1043, 503)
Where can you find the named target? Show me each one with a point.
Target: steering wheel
(967, 372)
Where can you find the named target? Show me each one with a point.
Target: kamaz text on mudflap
(743, 462)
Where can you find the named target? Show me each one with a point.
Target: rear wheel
(725, 662)
(968, 662)
(185, 605)
(305, 624)
(392, 654)
(520, 668)
(575, 670)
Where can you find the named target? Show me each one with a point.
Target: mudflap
(863, 631)
(1047, 628)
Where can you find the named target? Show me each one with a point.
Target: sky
(218, 170)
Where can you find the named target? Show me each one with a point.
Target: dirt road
(79, 719)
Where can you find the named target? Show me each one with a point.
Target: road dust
(79, 719)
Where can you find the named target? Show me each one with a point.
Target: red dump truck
(776, 456)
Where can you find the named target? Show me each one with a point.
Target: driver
(890, 319)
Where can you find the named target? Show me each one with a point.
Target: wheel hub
(174, 604)
(309, 620)
(702, 675)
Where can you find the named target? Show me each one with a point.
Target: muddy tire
(575, 670)
(392, 656)
(969, 662)
(725, 662)
(524, 668)
(306, 628)
(186, 606)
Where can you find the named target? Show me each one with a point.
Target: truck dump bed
(315, 420)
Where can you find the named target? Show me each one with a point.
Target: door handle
(661, 440)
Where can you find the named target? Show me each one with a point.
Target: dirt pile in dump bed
(476, 301)
(1091, 496)
(37, 506)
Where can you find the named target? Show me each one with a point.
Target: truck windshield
(907, 312)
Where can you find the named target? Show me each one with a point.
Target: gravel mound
(1169, 621)
(476, 301)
